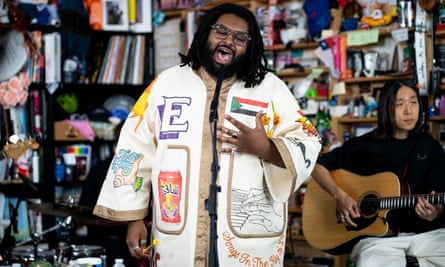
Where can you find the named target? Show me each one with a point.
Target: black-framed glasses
(221, 31)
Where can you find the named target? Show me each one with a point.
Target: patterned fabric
(166, 146)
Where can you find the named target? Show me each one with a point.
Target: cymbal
(81, 214)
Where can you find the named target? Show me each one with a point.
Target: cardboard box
(65, 132)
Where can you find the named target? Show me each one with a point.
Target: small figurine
(375, 17)
(296, 25)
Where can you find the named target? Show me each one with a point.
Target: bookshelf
(64, 71)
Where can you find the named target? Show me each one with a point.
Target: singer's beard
(212, 67)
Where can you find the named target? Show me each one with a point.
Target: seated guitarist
(400, 145)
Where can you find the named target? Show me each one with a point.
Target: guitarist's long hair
(386, 109)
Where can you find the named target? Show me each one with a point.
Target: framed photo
(115, 15)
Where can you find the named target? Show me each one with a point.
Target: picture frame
(115, 15)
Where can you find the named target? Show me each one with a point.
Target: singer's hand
(137, 239)
(248, 140)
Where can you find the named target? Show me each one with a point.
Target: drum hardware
(36, 237)
(81, 214)
(26, 258)
(88, 251)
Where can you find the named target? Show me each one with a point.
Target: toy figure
(375, 16)
(295, 20)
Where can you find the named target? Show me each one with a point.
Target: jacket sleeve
(298, 143)
(125, 192)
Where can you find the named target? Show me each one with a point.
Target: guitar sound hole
(369, 205)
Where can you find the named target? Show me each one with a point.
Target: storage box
(65, 132)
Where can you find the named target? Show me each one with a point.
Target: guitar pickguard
(362, 223)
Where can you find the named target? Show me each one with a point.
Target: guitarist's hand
(426, 210)
(347, 209)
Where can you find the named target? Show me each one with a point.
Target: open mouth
(223, 55)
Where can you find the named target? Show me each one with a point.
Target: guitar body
(320, 226)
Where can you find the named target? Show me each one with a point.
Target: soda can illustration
(170, 191)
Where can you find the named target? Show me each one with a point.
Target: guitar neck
(409, 201)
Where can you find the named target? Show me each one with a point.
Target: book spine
(52, 43)
(124, 65)
(103, 68)
(345, 73)
(118, 57)
(111, 60)
(336, 52)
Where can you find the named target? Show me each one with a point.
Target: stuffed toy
(41, 14)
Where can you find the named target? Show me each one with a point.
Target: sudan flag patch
(246, 106)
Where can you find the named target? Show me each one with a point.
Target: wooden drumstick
(154, 243)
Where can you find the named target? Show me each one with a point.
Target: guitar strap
(403, 182)
(405, 190)
(393, 216)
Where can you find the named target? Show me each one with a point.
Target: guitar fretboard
(409, 201)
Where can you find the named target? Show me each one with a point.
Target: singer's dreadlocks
(253, 70)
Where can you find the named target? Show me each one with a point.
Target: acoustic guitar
(376, 194)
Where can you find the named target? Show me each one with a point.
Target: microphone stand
(214, 188)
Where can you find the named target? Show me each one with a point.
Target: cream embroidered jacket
(165, 152)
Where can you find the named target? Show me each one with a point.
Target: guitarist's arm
(347, 207)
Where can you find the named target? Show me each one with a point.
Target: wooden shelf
(438, 33)
(374, 119)
(436, 118)
(356, 120)
(283, 47)
(379, 78)
(292, 72)
(341, 124)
